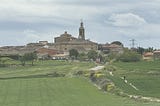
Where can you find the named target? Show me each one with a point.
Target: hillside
(58, 92)
(144, 75)
(40, 86)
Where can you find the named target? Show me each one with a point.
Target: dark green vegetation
(28, 57)
(117, 43)
(144, 75)
(9, 60)
(73, 53)
(92, 55)
(129, 56)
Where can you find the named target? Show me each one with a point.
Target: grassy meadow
(144, 75)
(44, 67)
(58, 92)
(18, 90)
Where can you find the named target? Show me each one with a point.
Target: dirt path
(97, 68)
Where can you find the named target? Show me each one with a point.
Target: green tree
(22, 60)
(92, 55)
(3, 61)
(82, 56)
(140, 50)
(117, 43)
(73, 53)
(149, 49)
(28, 57)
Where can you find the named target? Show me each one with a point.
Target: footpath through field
(151, 99)
(97, 68)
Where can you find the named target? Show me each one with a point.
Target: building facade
(66, 42)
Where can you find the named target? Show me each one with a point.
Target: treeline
(91, 55)
(12, 59)
(128, 55)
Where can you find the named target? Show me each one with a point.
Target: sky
(25, 21)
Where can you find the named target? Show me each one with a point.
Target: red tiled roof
(156, 52)
(148, 54)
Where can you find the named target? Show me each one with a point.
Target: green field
(44, 67)
(144, 75)
(19, 89)
(58, 92)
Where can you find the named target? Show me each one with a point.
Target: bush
(110, 86)
(92, 55)
(129, 56)
(78, 73)
(73, 53)
(3, 61)
(82, 57)
(28, 57)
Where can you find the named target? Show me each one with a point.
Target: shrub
(92, 55)
(110, 86)
(73, 53)
(78, 73)
(129, 56)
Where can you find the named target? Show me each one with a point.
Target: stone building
(156, 55)
(66, 42)
(64, 38)
(111, 48)
(148, 56)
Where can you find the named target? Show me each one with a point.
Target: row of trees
(91, 55)
(27, 57)
(126, 56)
(142, 50)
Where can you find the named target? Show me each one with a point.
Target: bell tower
(81, 31)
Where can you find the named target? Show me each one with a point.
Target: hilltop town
(49, 57)
(61, 46)
(66, 42)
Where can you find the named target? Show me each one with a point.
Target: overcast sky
(24, 21)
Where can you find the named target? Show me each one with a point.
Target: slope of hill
(36, 86)
(58, 92)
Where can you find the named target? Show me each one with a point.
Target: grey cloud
(49, 18)
(126, 20)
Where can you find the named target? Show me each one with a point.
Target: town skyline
(105, 21)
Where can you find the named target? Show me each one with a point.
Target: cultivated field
(58, 92)
(144, 75)
(44, 67)
(34, 86)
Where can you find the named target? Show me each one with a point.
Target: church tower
(81, 31)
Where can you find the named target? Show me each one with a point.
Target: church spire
(81, 31)
(81, 23)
